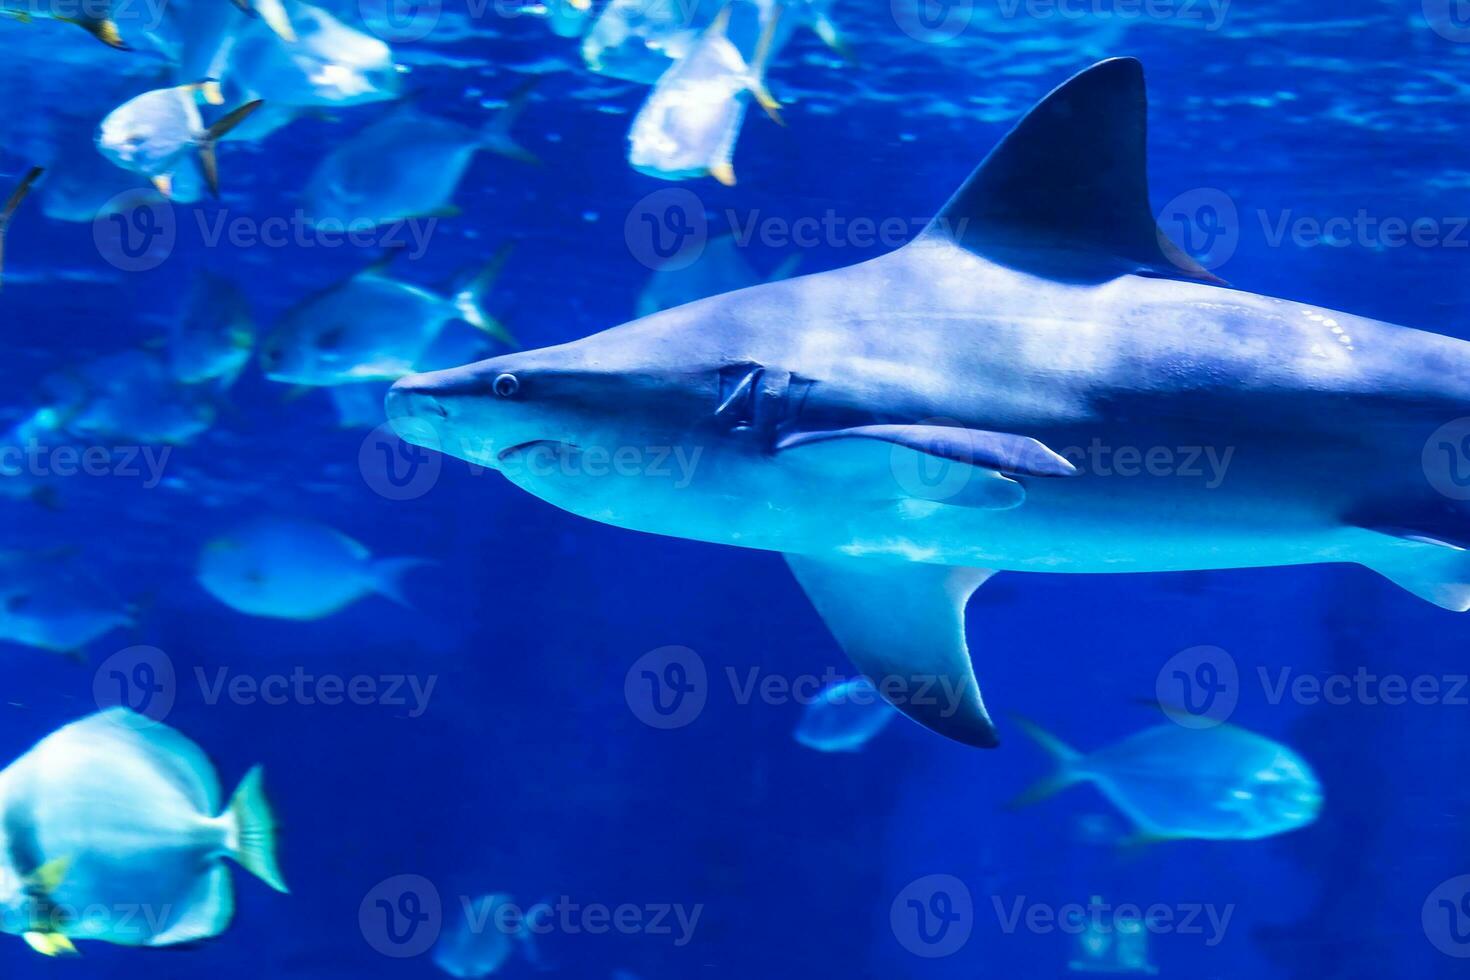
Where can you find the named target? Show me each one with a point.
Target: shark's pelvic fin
(903, 625)
(1065, 194)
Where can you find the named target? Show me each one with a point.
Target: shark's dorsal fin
(1066, 192)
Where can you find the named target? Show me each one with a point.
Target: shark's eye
(506, 386)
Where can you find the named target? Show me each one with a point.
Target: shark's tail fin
(1068, 771)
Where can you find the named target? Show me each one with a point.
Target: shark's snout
(416, 396)
(465, 411)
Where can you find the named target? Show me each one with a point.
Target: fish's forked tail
(758, 63)
(12, 204)
(252, 831)
(388, 575)
(103, 29)
(496, 136)
(207, 160)
(1067, 759)
(471, 294)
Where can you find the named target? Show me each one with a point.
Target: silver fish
(406, 165)
(160, 135)
(291, 569)
(691, 120)
(844, 717)
(212, 341)
(116, 813)
(48, 602)
(372, 328)
(1172, 782)
(721, 268)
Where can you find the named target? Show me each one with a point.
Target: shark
(903, 428)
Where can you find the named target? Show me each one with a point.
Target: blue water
(529, 772)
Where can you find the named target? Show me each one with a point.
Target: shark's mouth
(552, 447)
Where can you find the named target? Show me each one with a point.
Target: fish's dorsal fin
(720, 26)
(1066, 192)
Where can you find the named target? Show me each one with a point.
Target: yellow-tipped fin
(164, 184)
(724, 173)
(213, 135)
(50, 944)
(827, 31)
(273, 12)
(102, 28)
(208, 89)
(48, 877)
(758, 67)
(16, 196)
(253, 842)
(720, 26)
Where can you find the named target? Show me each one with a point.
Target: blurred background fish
(291, 569)
(844, 717)
(1174, 782)
(51, 601)
(406, 165)
(720, 268)
(374, 327)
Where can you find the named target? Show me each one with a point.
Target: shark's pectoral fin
(1065, 194)
(903, 625)
(949, 464)
(1429, 561)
